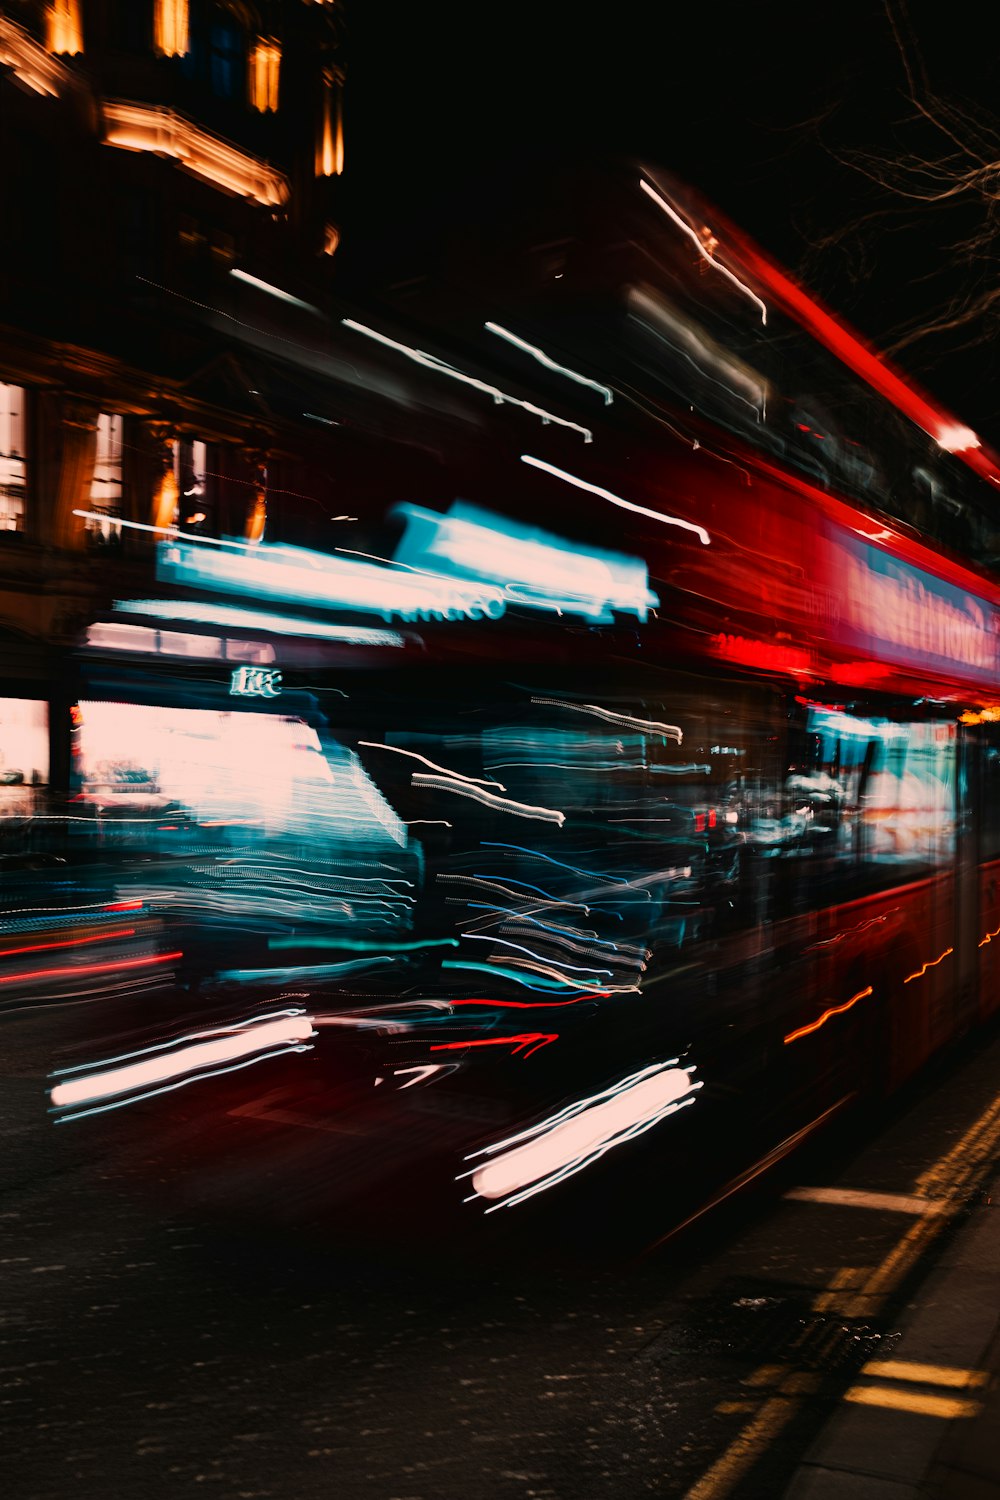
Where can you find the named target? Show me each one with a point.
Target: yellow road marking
(860, 1290)
(887, 1275)
(908, 1369)
(766, 1375)
(847, 1277)
(744, 1451)
(954, 1168)
(897, 1203)
(800, 1383)
(915, 1401)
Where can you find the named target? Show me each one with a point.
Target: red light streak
(835, 1010)
(128, 963)
(531, 1040)
(773, 658)
(848, 348)
(123, 906)
(99, 937)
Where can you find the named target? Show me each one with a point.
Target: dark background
(804, 124)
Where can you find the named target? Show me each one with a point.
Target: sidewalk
(925, 1423)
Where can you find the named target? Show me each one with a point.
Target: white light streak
(502, 804)
(596, 489)
(649, 726)
(549, 363)
(565, 1143)
(422, 1074)
(456, 775)
(273, 291)
(226, 1046)
(538, 958)
(430, 362)
(701, 247)
(171, 532)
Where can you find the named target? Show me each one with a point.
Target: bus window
(866, 803)
(990, 826)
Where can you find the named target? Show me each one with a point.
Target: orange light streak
(930, 964)
(835, 1010)
(99, 937)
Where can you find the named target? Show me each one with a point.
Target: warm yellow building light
(30, 62)
(257, 514)
(330, 152)
(170, 28)
(151, 127)
(64, 28)
(265, 67)
(167, 496)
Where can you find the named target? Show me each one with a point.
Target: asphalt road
(188, 1307)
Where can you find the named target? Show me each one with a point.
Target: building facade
(170, 172)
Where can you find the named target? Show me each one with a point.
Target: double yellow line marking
(925, 1403)
(859, 1291)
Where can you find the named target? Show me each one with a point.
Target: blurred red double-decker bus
(689, 722)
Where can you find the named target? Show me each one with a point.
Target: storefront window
(12, 468)
(105, 529)
(24, 754)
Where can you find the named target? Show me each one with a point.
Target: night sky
(765, 108)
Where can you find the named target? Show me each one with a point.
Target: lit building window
(104, 529)
(11, 457)
(164, 512)
(330, 149)
(170, 27)
(63, 27)
(257, 514)
(191, 472)
(265, 66)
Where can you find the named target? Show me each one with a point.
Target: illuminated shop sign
(535, 569)
(327, 581)
(255, 682)
(886, 606)
(467, 565)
